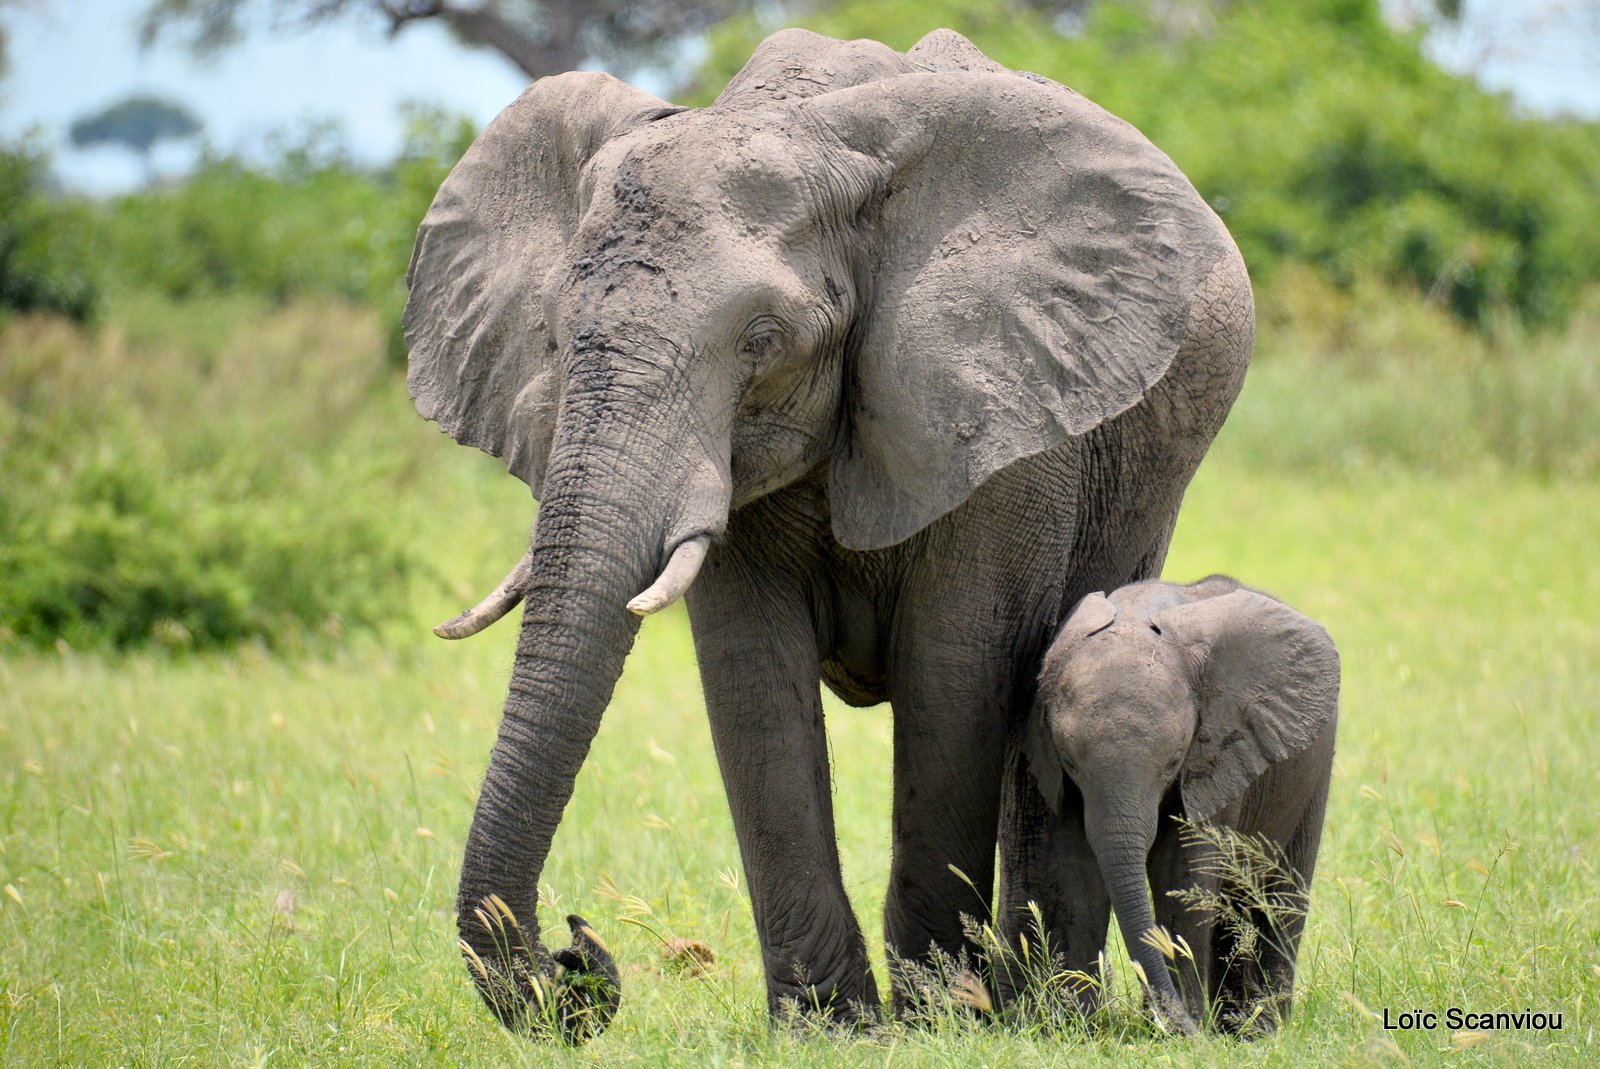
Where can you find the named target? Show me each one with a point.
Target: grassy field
(250, 858)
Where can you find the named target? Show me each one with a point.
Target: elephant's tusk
(512, 589)
(675, 577)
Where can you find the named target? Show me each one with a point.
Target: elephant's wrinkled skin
(926, 349)
(1206, 702)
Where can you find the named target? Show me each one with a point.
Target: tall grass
(250, 859)
(1353, 377)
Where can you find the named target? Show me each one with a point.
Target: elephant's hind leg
(971, 622)
(1048, 871)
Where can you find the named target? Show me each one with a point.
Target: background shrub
(45, 243)
(310, 223)
(199, 495)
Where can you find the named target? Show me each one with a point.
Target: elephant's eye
(761, 337)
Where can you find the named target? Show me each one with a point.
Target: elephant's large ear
(1268, 688)
(1033, 263)
(480, 347)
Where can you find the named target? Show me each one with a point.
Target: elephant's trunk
(1123, 856)
(599, 540)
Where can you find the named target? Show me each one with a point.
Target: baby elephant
(1207, 702)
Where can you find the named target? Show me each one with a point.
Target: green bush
(193, 496)
(45, 243)
(311, 223)
(1322, 136)
(1355, 378)
(204, 468)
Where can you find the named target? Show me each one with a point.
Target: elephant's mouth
(676, 578)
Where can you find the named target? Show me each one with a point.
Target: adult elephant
(894, 357)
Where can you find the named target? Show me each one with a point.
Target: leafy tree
(539, 37)
(137, 124)
(310, 221)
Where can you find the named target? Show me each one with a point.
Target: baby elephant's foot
(1173, 1017)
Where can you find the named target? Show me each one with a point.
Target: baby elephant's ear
(1092, 615)
(1268, 688)
(1044, 759)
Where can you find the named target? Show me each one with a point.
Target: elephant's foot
(572, 994)
(1257, 1019)
(829, 1008)
(1173, 1017)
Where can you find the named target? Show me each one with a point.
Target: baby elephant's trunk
(1122, 861)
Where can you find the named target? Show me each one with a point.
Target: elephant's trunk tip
(675, 578)
(512, 589)
(589, 988)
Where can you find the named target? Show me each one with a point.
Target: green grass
(249, 859)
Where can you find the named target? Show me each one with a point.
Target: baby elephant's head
(1118, 705)
(1206, 685)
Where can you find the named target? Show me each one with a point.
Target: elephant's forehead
(1141, 601)
(1123, 666)
(707, 168)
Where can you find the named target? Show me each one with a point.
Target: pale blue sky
(71, 57)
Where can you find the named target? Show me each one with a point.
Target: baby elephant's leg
(1283, 922)
(1259, 999)
(1178, 873)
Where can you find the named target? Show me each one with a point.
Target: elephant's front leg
(755, 639)
(972, 617)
